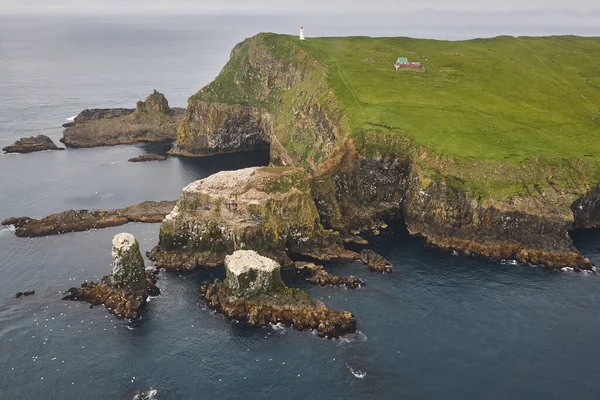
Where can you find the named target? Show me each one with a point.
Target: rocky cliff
(360, 171)
(269, 210)
(151, 121)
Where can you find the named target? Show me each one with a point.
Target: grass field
(500, 98)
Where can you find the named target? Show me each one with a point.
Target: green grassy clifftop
(490, 148)
(496, 117)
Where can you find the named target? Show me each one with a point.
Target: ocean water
(438, 327)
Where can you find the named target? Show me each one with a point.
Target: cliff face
(151, 121)
(269, 210)
(360, 172)
(212, 128)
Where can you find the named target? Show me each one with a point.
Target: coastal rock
(152, 121)
(210, 128)
(259, 297)
(270, 210)
(32, 144)
(27, 293)
(249, 273)
(147, 157)
(321, 277)
(83, 220)
(125, 290)
(375, 261)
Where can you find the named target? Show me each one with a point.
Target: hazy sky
(286, 6)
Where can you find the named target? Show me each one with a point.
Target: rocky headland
(125, 290)
(147, 157)
(362, 169)
(266, 209)
(151, 121)
(83, 220)
(253, 292)
(32, 144)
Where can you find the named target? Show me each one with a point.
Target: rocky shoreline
(151, 121)
(83, 220)
(32, 144)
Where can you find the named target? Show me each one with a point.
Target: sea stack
(125, 290)
(253, 292)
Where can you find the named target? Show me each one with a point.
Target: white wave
(351, 338)
(278, 327)
(567, 269)
(358, 373)
(71, 119)
(147, 395)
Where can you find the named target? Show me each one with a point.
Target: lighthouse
(301, 33)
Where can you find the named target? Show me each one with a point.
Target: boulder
(249, 273)
(125, 290)
(31, 144)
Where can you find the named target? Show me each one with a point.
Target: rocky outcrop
(320, 276)
(253, 292)
(83, 220)
(126, 289)
(32, 144)
(152, 121)
(269, 210)
(210, 128)
(147, 157)
(26, 293)
(375, 261)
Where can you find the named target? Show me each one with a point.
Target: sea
(438, 327)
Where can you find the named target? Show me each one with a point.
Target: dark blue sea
(439, 327)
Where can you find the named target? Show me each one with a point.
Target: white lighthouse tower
(301, 33)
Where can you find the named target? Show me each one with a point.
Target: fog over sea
(439, 327)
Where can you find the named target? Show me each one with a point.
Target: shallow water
(438, 327)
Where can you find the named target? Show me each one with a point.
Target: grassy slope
(496, 117)
(508, 112)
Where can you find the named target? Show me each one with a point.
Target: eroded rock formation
(126, 289)
(83, 220)
(269, 210)
(211, 128)
(152, 121)
(375, 261)
(254, 293)
(31, 144)
(319, 276)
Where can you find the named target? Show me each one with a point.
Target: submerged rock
(269, 210)
(27, 293)
(83, 220)
(151, 121)
(375, 261)
(321, 277)
(31, 144)
(125, 290)
(147, 157)
(254, 293)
